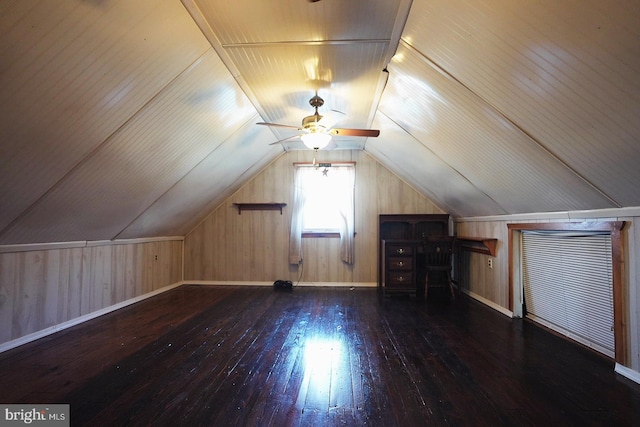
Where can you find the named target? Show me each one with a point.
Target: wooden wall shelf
(483, 245)
(259, 207)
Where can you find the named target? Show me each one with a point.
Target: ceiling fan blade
(331, 146)
(355, 132)
(331, 118)
(283, 140)
(278, 125)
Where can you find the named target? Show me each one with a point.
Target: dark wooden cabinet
(401, 262)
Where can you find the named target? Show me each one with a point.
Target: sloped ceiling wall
(118, 121)
(536, 105)
(122, 119)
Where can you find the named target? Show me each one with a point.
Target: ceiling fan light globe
(316, 140)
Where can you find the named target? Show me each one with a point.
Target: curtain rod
(320, 164)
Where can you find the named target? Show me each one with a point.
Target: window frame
(323, 233)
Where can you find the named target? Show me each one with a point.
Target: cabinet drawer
(399, 250)
(400, 263)
(400, 279)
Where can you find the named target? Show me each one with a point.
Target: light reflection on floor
(323, 360)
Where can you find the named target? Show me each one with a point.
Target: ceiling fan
(316, 133)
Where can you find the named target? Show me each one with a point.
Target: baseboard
(628, 373)
(341, 284)
(225, 283)
(489, 303)
(301, 284)
(81, 319)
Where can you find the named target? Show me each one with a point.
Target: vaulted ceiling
(123, 119)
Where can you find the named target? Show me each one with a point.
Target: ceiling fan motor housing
(311, 123)
(316, 102)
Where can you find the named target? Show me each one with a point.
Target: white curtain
(343, 195)
(295, 237)
(346, 203)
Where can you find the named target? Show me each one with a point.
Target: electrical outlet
(490, 263)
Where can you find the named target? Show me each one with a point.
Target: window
(321, 209)
(323, 203)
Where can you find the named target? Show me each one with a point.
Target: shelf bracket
(483, 245)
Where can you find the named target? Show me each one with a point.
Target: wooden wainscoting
(42, 289)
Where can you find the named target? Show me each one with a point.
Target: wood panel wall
(493, 284)
(475, 274)
(44, 288)
(253, 246)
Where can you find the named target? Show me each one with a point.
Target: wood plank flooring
(204, 356)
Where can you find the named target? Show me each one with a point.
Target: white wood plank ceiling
(127, 119)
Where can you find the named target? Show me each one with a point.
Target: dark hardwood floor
(204, 356)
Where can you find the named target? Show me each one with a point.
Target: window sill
(320, 234)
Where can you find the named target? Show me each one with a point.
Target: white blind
(568, 285)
